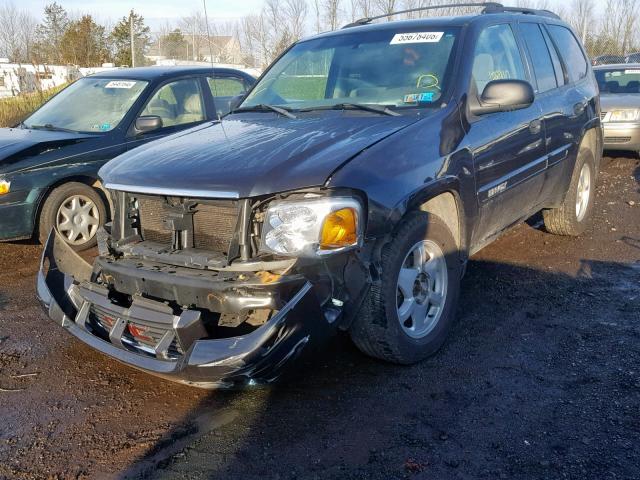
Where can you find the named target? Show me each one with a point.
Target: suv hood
(251, 154)
(17, 144)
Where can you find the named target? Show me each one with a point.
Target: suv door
(508, 147)
(179, 103)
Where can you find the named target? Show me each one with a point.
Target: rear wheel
(573, 216)
(408, 313)
(75, 211)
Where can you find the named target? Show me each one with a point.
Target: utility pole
(133, 44)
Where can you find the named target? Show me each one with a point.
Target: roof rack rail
(489, 7)
(498, 8)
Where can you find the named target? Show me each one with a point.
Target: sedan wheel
(78, 219)
(76, 212)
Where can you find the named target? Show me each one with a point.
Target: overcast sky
(156, 12)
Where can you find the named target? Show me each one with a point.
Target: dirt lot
(540, 379)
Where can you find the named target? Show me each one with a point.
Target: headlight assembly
(312, 227)
(5, 186)
(624, 115)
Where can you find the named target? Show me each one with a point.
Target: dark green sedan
(49, 163)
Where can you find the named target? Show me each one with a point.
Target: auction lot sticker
(120, 84)
(419, 37)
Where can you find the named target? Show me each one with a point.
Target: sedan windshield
(383, 67)
(619, 80)
(88, 105)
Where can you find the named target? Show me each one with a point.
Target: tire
(570, 218)
(378, 330)
(84, 207)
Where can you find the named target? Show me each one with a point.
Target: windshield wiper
(381, 109)
(264, 106)
(52, 128)
(369, 108)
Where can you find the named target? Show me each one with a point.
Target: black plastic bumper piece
(258, 357)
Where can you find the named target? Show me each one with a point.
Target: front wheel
(75, 211)
(408, 313)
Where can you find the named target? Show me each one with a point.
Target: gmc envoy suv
(345, 191)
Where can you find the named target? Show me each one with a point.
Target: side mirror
(504, 96)
(148, 123)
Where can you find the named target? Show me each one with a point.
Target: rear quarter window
(570, 51)
(540, 57)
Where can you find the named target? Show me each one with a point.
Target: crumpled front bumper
(67, 293)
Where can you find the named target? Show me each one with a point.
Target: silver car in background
(620, 101)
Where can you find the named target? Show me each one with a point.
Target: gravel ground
(540, 379)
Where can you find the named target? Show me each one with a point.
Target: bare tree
(618, 25)
(365, 7)
(386, 7)
(317, 8)
(332, 13)
(26, 31)
(296, 12)
(194, 29)
(581, 17)
(10, 32)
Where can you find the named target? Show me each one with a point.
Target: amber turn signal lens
(339, 229)
(4, 187)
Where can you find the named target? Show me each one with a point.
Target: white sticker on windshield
(120, 84)
(419, 37)
(632, 72)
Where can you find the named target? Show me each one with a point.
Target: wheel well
(87, 180)
(592, 139)
(445, 207)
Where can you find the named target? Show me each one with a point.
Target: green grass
(301, 88)
(15, 109)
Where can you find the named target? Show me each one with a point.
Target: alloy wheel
(583, 193)
(422, 289)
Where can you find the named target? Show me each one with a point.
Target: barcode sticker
(120, 84)
(418, 37)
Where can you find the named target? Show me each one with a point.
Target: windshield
(619, 80)
(409, 69)
(88, 105)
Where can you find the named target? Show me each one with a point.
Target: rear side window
(557, 65)
(496, 57)
(223, 90)
(570, 52)
(539, 54)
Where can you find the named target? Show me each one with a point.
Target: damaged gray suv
(345, 192)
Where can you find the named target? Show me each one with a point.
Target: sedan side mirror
(148, 123)
(504, 96)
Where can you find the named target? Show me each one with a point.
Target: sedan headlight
(312, 227)
(5, 186)
(624, 115)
